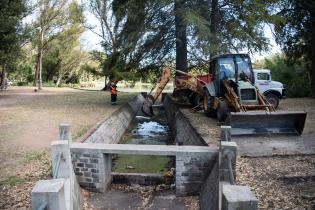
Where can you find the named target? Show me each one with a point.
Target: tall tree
(11, 14)
(64, 50)
(135, 34)
(181, 35)
(50, 20)
(151, 33)
(296, 33)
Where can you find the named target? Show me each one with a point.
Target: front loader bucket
(261, 123)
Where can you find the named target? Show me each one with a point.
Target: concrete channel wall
(112, 128)
(183, 132)
(197, 171)
(92, 163)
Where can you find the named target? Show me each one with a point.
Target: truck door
(262, 81)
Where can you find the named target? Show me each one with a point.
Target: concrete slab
(167, 200)
(238, 197)
(276, 145)
(117, 199)
(166, 150)
(50, 192)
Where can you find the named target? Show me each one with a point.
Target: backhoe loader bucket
(147, 106)
(261, 123)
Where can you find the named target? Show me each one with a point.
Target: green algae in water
(141, 164)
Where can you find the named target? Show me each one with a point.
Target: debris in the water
(130, 167)
(169, 173)
(142, 117)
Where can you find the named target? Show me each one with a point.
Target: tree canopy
(11, 34)
(139, 37)
(296, 34)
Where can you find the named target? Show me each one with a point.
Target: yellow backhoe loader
(228, 94)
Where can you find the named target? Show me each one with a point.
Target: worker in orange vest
(113, 93)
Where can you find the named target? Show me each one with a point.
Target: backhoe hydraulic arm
(156, 91)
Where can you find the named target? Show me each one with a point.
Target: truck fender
(211, 88)
(277, 93)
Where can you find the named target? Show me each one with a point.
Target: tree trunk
(105, 83)
(181, 36)
(3, 77)
(214, 19)
(36, 71)
(40, 84)
(58, 81)
(313, 58)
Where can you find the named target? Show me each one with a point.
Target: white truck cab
(272, 90)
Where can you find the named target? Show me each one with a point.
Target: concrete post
(50, 192)
(228, 154)
(225, 133)
(63, 169)
(64, 132)
(238, 197)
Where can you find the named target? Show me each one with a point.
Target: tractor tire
(273, 100)
(208, 105)
(222, 112)
(192, 99)
(198, 100)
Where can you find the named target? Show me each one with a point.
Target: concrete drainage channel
(197, 169)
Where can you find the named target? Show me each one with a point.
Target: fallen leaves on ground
(17, 195)
(280, 182)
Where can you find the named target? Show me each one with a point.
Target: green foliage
(143, 32)
(294, 76)
(11, 31)
(22, 83)
(63, 56)
(296, 34)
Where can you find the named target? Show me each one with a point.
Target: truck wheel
(208, 104)
(272, 99)
(222, 112)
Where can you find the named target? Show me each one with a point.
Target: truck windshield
(227, 67)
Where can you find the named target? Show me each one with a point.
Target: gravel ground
(279, 182)
(122, 196)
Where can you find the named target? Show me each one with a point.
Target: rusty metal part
(190, 82)
(231, 97)
(156, 91)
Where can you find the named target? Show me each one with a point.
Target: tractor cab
(236, 70)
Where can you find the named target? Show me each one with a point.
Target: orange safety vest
(113, 90)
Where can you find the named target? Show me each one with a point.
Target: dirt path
(29, 120)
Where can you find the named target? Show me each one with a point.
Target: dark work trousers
(113, 98)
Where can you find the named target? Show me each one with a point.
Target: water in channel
(145, 130)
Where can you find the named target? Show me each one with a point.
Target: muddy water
(145, 130)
